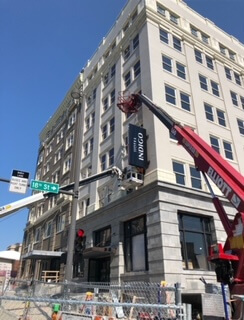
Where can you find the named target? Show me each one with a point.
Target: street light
(76, 95)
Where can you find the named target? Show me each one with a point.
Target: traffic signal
(80, 241)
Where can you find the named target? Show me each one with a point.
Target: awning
(42, 254)
(97, 252)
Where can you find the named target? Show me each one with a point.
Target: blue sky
(44, 45)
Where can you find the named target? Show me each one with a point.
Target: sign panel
(44, 186)
(19, 181)
(137, 146)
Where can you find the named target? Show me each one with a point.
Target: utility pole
(76, 163)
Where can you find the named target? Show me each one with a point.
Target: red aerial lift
(228, 259)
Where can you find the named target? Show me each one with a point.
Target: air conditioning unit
(132, 178)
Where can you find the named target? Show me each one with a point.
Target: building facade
(158, 223)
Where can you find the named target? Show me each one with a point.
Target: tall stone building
(158, 223)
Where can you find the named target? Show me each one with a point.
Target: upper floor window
(72, 119)
(105, 79)
(40, 158)
(228, 150)
(232, 55)
(185, 101)
(60, 223)
(226, 147)
(104, 162)
(194, 31)
(203, 82)
(222, 49)
(198, 55)
(221, 117)
(215, 143)
(37, 235)
(137, 69)
(105, 103)
(234, 98)
(111, 157)
(164, 36)
(60, 135)
(205, 38)
(179, 172)
(196, 181)
(69, 140)
(209, 112)
(56, 177)
(105, 131)
(237, 78)
(91, 144)
(94, 94)
(161, 10)
(111, 124)
(127, 79)
(67, 164)
(92, 118)
(240, 124)
(170, 94)
(215, 88)
(242, 102)
(112, 96)
(113, 69)
(174, 18)
(136, 42)
(177, 43)
(86, 149)
(228, 73)
(127, 52)
(167, 63)
(181, 70)
(209, 62)
(48, 229)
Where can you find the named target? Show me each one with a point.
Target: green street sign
(44, 186)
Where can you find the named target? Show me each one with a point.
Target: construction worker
(55, 314)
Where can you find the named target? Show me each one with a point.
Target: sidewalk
(18, 310)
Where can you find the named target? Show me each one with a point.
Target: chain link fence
(99, 301)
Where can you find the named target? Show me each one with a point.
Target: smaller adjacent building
(9, 263)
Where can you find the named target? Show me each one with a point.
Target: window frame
(180, 175)
(177, 43)
(215, 143)
(209, 114)
(203, 84)
(164, 35)
(204, 234)
(185, 105)
(167, 63)
(198, 56)
(131, 233)
(181, 70)
(170, 98)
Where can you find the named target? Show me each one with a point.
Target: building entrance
(99, 270)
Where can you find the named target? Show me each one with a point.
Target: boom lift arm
(229, 260)
(26, 202)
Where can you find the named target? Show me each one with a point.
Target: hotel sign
(137, 146)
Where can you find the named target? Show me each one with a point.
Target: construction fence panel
(100, 301)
